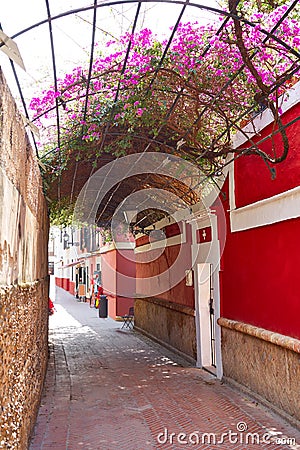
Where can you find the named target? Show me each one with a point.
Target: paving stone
(110, 389)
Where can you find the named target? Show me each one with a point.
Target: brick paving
(110, 389)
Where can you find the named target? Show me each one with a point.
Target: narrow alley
(110, 389)
(149, 164)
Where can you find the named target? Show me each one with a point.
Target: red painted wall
(260, 267)
(65, 284)
(109, 269)
(126, 273)
(59, 282)
(260, 281)
(252, 177)
(118, 276)
(126, 262)
(180, 293)
(112, 306)
(123, 304)
(72, 287)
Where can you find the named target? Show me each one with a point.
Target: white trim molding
(286, 102)
(168, 242)
(277, 208)
(271, 210)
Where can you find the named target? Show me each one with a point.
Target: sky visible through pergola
(72, 34)
(53, 37)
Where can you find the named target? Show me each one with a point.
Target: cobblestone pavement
(108, 389)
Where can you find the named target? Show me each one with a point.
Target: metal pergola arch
(227, 15)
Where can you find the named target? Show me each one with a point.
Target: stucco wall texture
(171, 324)
(23, 278)
(267, 369)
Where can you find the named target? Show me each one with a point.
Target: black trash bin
(103, 307)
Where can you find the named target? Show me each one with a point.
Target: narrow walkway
(108, 389)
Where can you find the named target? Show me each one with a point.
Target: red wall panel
(118, 276)
(112, 306)
(123, 305)
(253, 180)
(125, 262)
(260, 281)
(72, 287)
(179, 293)
(125, 279)
(260, 267)
(59, 281)
(109, 267)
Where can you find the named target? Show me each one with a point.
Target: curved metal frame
(184, 3)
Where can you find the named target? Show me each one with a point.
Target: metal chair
(128, 319)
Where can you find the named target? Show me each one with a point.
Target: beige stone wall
(23, 279)
(265, 363)
(170, 324)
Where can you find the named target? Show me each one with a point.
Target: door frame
(207, 252)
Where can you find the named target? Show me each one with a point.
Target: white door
(205, 317)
